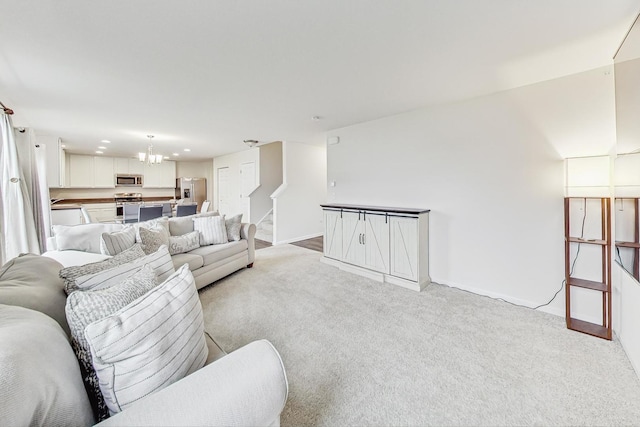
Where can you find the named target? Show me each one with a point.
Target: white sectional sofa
(80, 244)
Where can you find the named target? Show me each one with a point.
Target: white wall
(297, 211)
(491, 171)
(271, 177)
(233, 162)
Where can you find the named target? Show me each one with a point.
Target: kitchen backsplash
(98, 193)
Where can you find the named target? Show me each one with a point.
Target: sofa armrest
(248, 231)
(247, 387)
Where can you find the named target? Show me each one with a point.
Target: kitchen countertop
(63, 206)
(108, 200)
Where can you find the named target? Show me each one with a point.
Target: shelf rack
(635, 244)
(603, 286)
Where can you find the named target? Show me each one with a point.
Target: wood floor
(314, 244)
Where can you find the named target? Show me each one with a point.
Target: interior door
(224, 191)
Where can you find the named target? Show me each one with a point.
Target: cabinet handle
(360, 238)
(363, 239)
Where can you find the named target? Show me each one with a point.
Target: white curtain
(20, 194)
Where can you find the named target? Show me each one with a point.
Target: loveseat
(41, 382)
(73, 245)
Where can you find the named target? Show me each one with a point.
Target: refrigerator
(192, 190)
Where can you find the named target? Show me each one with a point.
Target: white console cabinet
(386, 244)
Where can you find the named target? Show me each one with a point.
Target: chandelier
(150, 158)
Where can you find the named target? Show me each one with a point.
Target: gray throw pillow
(85, 307)
(70, 274)
(152, 239)
(233, 225)
(185, 243)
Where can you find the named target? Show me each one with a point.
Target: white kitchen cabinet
(128, 166)
(55, 160)
(91, 171)
(66, 216)
(161, 175)
(385, 244)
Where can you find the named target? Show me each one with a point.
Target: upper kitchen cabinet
(124, 165)
(55, 160)
(161, 175)
(91, 171)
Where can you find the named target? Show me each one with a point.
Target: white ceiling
(206, 75)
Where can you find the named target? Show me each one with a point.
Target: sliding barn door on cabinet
(352, 242)
(376, 242)
(404, 241)
(332, 234)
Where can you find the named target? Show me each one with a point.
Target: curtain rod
(7, 110)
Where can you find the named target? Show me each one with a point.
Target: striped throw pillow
(160, 262)
(118, 241)
(212, 230)
(85, 307)
(153, 342)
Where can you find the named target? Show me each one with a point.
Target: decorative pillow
(84, 307)
(160, 262)
(83, 237)
(212, 230)
(40, 383)
(152, 239)
(185, 243)
(117, 241)
(70, 274)
(180, 225)
(157, 224)
(233, 226)
(149, 344)
(32, 281)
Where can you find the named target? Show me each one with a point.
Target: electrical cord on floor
(564, 281)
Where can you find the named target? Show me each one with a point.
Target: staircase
(264, 229)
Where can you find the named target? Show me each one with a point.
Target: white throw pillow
(180, 225)
(83, 237)
(160, 261)
(212, 230)
(117, 241)
(151, 343)
(185, 243)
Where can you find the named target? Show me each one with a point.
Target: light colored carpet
(358, 352)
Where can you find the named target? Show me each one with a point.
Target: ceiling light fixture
(102, 148)
(187, 149)
(150, 158)
(106, 141)
(251, 142)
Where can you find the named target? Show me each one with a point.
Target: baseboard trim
(295, 239)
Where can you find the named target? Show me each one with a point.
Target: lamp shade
(588, 176)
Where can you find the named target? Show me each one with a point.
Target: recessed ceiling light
(187, 149)
(106, 141)
(98, 152)
(166, 157)
(102, 148)
(176, 154)
(63, 146)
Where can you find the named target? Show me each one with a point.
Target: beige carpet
(358, 352)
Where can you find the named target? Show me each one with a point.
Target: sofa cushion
(215, 253)
(160, 262)
(184, 224)
(153, 342)
(233, 226)
(117, 241)
(70, 274)
(86, 306)
(212, 230)
(41, 383)
(184, 243)
(32, 281)
(194, 261)
(83, 237)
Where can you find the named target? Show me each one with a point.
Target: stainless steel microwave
(128, 180)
